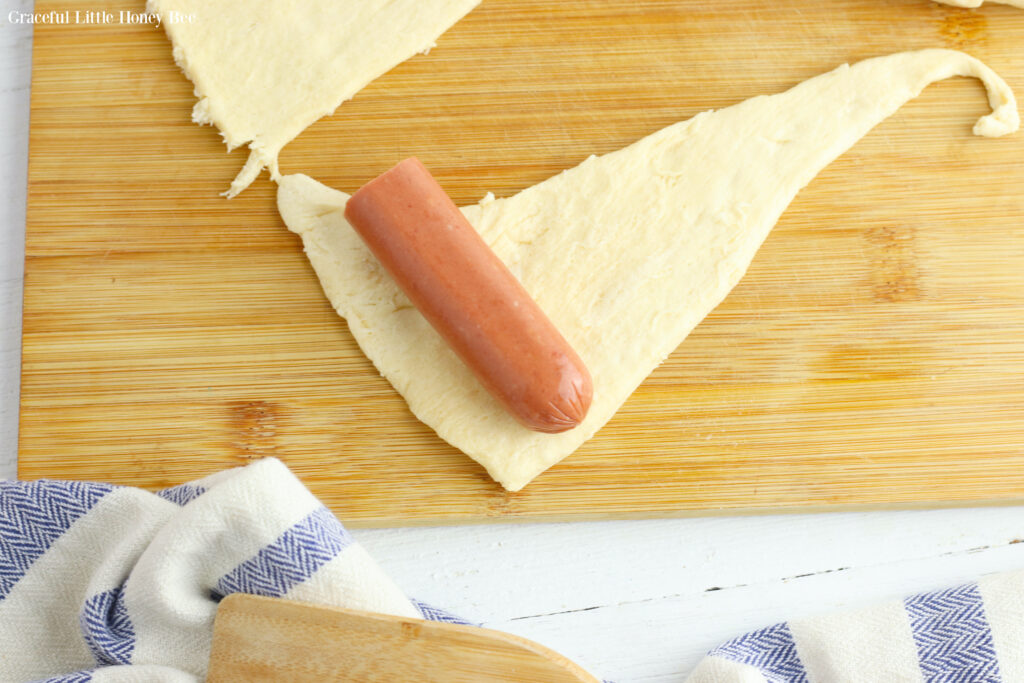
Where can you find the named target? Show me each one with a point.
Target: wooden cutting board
(873, 356)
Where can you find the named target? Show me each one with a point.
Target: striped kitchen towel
(104, 583)
(968, 634)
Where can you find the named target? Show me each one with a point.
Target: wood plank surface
(873, 355)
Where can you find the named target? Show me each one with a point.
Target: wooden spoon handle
(270, 639)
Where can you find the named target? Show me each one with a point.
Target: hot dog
(471, 298)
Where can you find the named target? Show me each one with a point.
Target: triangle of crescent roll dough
(264, 71)
(626, 252)
(979, 3)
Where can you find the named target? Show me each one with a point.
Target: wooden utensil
(270, 639)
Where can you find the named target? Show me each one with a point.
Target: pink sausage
(464, 290)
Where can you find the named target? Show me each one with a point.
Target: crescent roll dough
(626, 252)
(979, 3)
(264, 70)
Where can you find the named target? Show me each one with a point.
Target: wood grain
(269, 639)
(873, 356)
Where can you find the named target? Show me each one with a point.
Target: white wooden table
(631, 601)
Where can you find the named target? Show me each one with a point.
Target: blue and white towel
(968, 634)
(103, 583)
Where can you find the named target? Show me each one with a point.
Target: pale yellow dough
(626, 252)
(979, 3)
(264, 70)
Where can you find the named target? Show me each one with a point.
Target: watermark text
(101, 17)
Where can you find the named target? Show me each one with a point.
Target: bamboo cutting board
(873, 356)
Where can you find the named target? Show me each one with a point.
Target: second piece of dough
(972, 4)
(263, 71)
